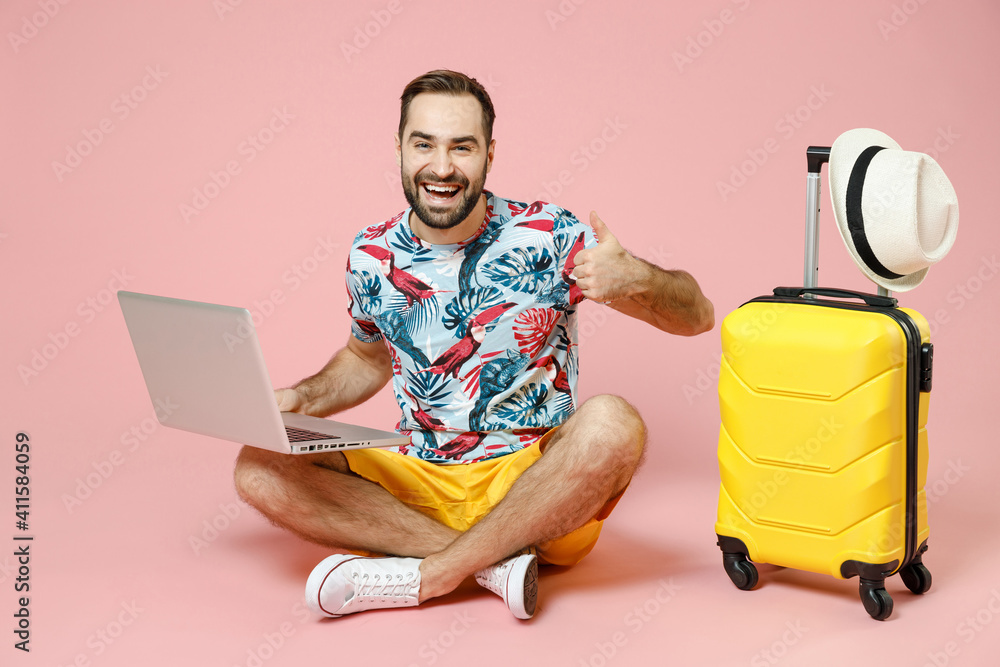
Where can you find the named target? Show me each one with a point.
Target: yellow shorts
(459, 495)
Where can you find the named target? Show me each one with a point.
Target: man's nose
(441, 164)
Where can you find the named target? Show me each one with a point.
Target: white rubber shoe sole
(516, 581)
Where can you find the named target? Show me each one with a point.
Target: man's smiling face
(444, 158)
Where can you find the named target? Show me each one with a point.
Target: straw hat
(896, 210)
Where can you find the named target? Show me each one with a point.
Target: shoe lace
(384, 586)
(494, 576)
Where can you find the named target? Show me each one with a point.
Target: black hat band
(855, 217)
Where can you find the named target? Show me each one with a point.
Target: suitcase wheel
(877, 601)
(742, 572)
(916, 577)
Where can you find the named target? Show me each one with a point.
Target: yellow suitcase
(823, 397)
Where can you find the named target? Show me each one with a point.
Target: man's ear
(489, 155)
(399, 150)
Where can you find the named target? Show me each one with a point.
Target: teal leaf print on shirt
(467, 305)
(522, 269)
(526, 408)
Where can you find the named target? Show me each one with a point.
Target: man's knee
(613, 407)
(608, 434)
(254, 472)
(263, 477)
(618, 419)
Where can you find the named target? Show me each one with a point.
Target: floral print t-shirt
(482, 334)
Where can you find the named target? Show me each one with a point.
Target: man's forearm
(669, 300)
(347, 380)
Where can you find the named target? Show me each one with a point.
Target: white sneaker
(515, 579)
(344, 584)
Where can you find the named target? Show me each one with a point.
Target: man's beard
(471, 191)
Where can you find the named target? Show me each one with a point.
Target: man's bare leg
(317, 497)
(589, 461)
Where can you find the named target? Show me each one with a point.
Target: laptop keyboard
(302, 435)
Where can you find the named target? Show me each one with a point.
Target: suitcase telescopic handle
(870, 299)
(816, 156)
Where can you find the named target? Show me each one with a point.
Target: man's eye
(463, 148)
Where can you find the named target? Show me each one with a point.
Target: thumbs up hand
(607, 272)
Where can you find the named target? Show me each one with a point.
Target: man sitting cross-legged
(468, 303)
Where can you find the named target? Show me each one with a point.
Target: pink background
(597, 110)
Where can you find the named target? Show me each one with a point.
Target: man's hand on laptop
(289, 400)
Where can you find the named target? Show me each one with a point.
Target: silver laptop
(203, 361)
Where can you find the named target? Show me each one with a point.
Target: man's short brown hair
(449, 83)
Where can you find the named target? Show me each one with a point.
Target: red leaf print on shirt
(532, 328)
(377, 231)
